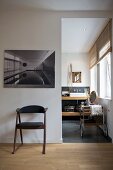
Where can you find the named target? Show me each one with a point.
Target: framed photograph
(29, 68)
(76, 77)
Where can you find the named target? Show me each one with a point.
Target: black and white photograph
(29, 68)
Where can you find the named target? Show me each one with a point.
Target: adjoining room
(86, 67)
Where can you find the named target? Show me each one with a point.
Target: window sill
(105, 98)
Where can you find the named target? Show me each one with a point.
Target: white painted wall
(34, 30)
(30, 30)
(108, 114)
(80, 63)
(111, 102)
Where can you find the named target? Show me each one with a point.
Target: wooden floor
(79, 156)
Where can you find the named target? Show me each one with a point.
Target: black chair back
(31, 109)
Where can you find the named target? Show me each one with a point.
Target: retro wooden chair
(87, 119)
(92, 115)
(30, 125)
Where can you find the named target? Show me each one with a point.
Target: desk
(74, 101)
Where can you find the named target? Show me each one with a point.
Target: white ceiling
(59, 4)
(79, 34)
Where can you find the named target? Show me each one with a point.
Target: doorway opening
(78, 37)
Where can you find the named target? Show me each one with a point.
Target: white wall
(34, 30)
(30, 30)
(80, 63)
(108, 114)
(111, 102)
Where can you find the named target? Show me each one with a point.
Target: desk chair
(30, 125)
(88, 120)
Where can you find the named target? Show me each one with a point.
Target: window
(100, 77)
(93, 78)
(101, 68)
(105, 76)
(108, 86)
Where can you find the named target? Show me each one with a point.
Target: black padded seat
(30, 125)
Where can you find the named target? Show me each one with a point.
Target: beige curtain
(93, 56)
(104, 37)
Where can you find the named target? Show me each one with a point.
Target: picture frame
(29, 68)
(76, 77)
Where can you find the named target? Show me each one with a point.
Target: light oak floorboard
(64, 156)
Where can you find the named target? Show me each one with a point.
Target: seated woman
(96, 108)
(93, 98)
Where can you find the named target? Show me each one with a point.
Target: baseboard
(10, 140)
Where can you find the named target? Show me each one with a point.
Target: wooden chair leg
(105, 130)
(80, 124)
(14, 140)
(81, 131)
(21, 136)
(44, 142)
(97, 130)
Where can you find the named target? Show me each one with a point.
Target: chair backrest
(31, 109)
(86, 110)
